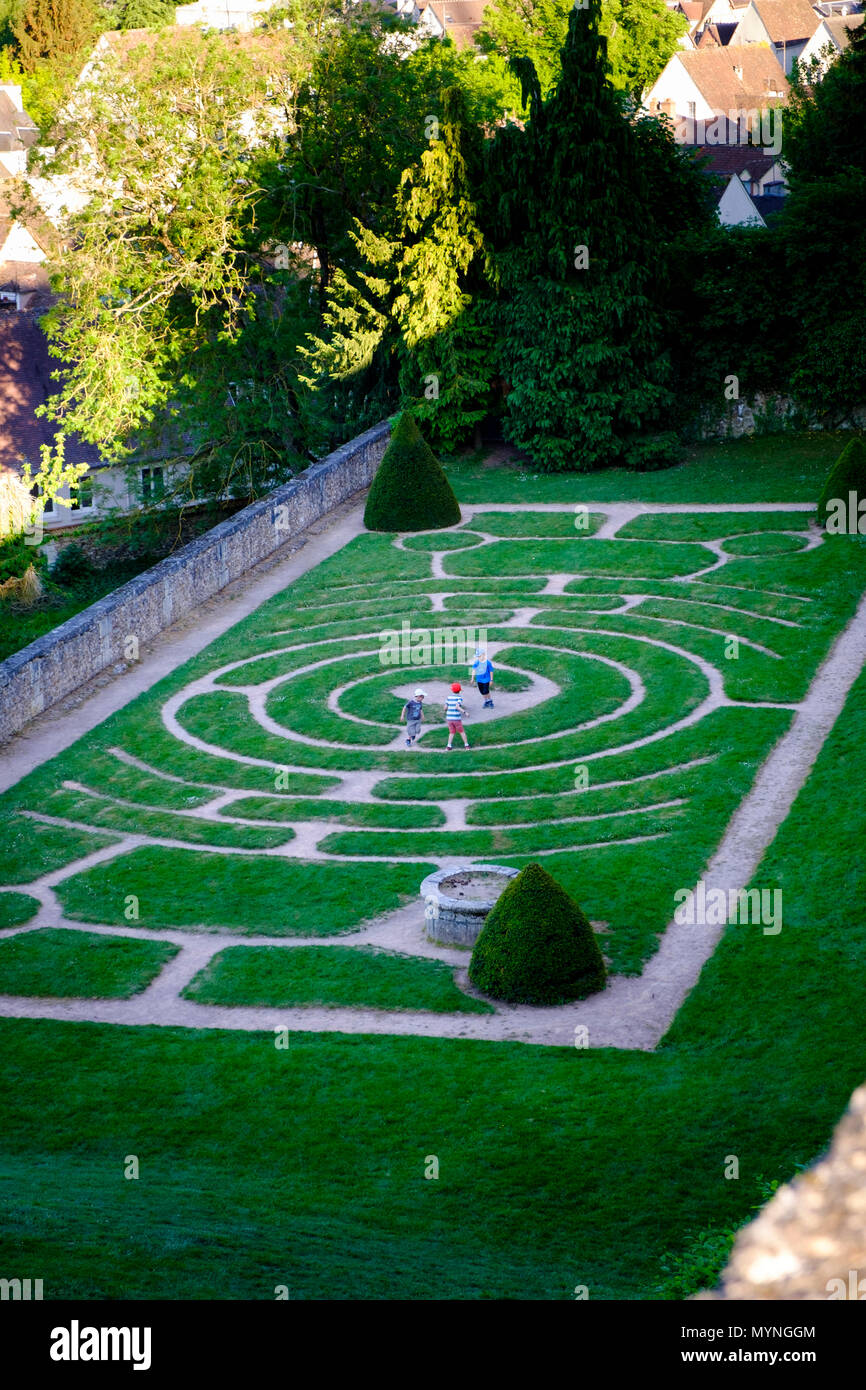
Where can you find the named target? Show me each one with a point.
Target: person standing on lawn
(482, 675)
(412, 716)
(454, 712)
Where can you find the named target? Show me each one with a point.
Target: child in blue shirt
(481, 672)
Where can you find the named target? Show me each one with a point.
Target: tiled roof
(716, 74)
(38, 226)
(17, 130)
(840, 24)
(725, 160)
(460, 19)
(786, 21)
(25, 382)
(694, 10)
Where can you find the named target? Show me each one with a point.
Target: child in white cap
(413, 715)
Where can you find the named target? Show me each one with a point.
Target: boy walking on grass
(482, 675)
(412, 716)
(454, 712)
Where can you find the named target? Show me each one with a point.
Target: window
(81, 495)
(36, 491)
(152, 484)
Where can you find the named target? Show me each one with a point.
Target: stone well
(456, 901)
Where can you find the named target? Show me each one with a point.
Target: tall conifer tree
(413, 313)
(588, 208)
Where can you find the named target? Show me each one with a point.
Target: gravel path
(630, 1013)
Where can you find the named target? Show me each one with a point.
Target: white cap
(421, 693)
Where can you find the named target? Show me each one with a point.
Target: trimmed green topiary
(848, 474)
(410, 492)
(536, 946)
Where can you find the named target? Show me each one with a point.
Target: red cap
(456, 687)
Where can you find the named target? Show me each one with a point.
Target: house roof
(718, 34)
(839, 26)
(734, 79)
(787, 21)
(724, 160)
(37, 225)
(768, 205)
(694, 10)
(25, 382)
(17, 130)
(460, 19)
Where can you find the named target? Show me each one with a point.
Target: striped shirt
(455, 707)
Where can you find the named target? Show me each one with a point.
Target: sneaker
(408, 742)
(448, 748)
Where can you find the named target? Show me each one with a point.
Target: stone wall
(53, 666)
(809, 1242)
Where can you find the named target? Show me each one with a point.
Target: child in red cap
(454, 712)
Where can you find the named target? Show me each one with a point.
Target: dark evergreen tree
(847, 475)
(823, 228)
(410, 492)
(536, 945)
(55, 30)
(590, 210)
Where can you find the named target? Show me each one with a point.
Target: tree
(356, 120)
(166, 307)
(55, 30)
(410, 492)
(847, 475)
(536, 945)
(414, 309)
(642, 35)
(590, 268)
(145, 14)
(823, 231)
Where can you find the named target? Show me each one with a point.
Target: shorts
(484, 687)
(413, 728)
(455, 726)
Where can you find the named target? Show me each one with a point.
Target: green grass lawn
(64, 964)
(305, 1166)
(557, 1166)
(16, 908)
(207, 892)
(788, 467)
(332, 976)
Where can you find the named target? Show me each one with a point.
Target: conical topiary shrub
(847, 475)
(410, 492)
(536, 946)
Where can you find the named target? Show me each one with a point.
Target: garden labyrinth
(243, 845)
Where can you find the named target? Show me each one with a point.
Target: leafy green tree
(642, 35)
(10, 13)
(357, 120)
(416, 305)
(145, 14)
(823, 231)
(590, 268)
(168, 319)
